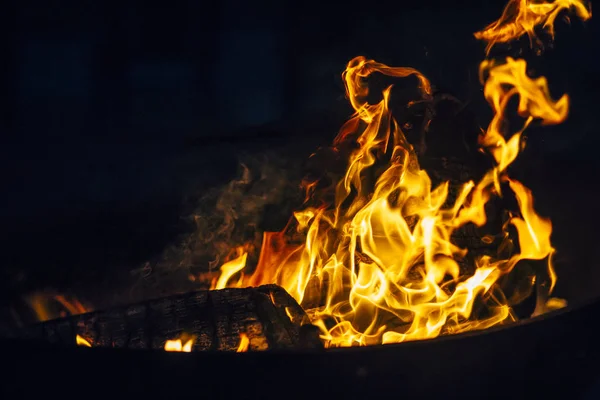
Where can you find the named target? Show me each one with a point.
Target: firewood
(267, 315)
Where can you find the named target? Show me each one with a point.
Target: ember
(378, 263)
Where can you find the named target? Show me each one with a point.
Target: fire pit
(387, 245)
(553, 355)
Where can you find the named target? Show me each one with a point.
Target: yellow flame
(229, 269)
(182, 344)
(82, 341)
(521, 17)
(383, 254)
(505, 81)
(378, 264)
(244, 343)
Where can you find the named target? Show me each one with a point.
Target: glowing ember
(521, 17)
(82, 341)
(378, 264)
(183, 344)
(244, 343)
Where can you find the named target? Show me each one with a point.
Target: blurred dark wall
(103, 94)
(111, 104)
(114, 109)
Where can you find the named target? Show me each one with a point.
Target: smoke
(229, 217)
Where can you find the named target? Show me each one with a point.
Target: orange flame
(244, 343)
(42, 305)
(521, 17)
(378, 264)
(182, 344)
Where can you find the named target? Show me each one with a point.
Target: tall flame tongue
(377, 264)
(521, 17)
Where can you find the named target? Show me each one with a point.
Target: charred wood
(267, 315)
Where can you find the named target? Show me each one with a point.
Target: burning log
(266, 317)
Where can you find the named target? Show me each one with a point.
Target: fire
(82, 341)
(504, 82)
(378, 263)
(182, 344)
(244, 343)
(521, 17)
(230, 268)
(48, 305)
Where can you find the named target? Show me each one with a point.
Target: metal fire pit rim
(540, 357)
(393, 347)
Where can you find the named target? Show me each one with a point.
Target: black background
(114, 109)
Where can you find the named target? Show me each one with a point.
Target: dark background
(114, 109)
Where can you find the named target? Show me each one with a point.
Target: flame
(82, 341)
(244, 343)
(176, 345)
(230, 268)
(378, 263)
(504, 82)
(521, 17)
(380, 260)
(44, 306)
(182, 344)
